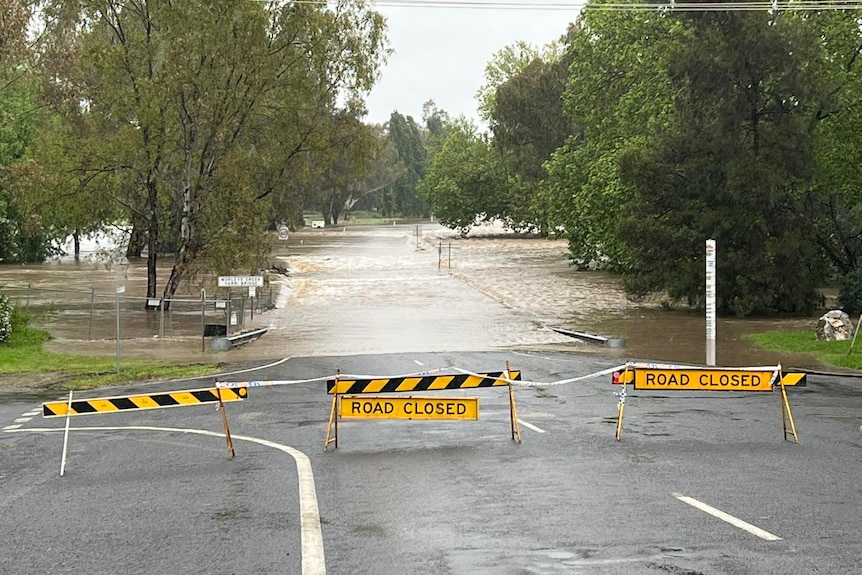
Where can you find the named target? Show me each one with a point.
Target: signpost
(283, 233)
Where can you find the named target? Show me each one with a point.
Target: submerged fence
(93, 315)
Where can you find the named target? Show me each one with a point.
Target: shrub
(850, 292)
(5, 319)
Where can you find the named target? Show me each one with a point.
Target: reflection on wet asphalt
(360, 290)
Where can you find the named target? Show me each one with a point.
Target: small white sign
(240, 281)
(251, 291)
(121, 289)
(283, 233)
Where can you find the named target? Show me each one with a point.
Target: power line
(669, 6)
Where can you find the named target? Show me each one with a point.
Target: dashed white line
(530, 426)
(22, 420)
(11, 427)
(754, 530)
(417, 362)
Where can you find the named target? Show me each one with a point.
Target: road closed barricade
(144, 401)
(367, 398)
(658, 377)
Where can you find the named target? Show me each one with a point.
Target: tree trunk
(137, 239)
(76, 239)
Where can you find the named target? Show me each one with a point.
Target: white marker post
(120, 289)
(66, 435)
(710, 302)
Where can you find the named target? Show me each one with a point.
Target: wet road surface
(447, 498)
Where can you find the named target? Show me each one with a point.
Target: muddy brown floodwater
(386, 289)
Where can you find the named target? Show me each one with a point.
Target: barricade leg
(786, 414)
(329, 426)
(513, 410)
(621, 404)
(230, 451)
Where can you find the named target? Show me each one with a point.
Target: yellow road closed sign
(362, 407)
(704, 379)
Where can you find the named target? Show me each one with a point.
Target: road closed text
(706, 379)
(410, 407)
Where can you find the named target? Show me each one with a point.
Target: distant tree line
(640, 135)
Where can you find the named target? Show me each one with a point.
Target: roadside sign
(283, 232)
(704, 379)
(240, 281)
(357, 407)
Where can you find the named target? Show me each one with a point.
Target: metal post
(27, 303)
(227, 308)
(450, 255)
(439, 255)
(203, 319)
(92, 305)
(162, 317)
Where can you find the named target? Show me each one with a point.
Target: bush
(850, 292)
(5, 319)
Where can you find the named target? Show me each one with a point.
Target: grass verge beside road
(23, 354)
(835, 353)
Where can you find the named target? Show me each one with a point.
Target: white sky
(440, 54)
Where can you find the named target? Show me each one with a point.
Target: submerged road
(700, 483)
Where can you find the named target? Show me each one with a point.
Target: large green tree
(409, 143)
(731, 166)
(197, 131)
(466, 181)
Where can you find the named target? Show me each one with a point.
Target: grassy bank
(835, 353)
(23, 354)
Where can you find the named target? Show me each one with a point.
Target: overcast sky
(440, 54)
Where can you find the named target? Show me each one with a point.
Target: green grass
(23, 354)
(836, 353)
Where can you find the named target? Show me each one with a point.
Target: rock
(834, 325)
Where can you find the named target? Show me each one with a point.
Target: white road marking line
(417, 362)
(22, 420)
(258, 368)
(311, 534)
(11, 427)
(32, 413)
(533, 355)
(728, 518)
(531, 426)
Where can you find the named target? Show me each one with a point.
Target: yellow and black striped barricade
(101, 405)
(684, 378)
(144, 401)
(350, 402)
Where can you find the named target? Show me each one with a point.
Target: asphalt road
(155, 492)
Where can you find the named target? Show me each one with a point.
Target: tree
(528, 124)
(409, 145)
(730, 167)
(195, 130)
(617, 93)
(465, 181)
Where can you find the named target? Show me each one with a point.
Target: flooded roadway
(391, 289)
